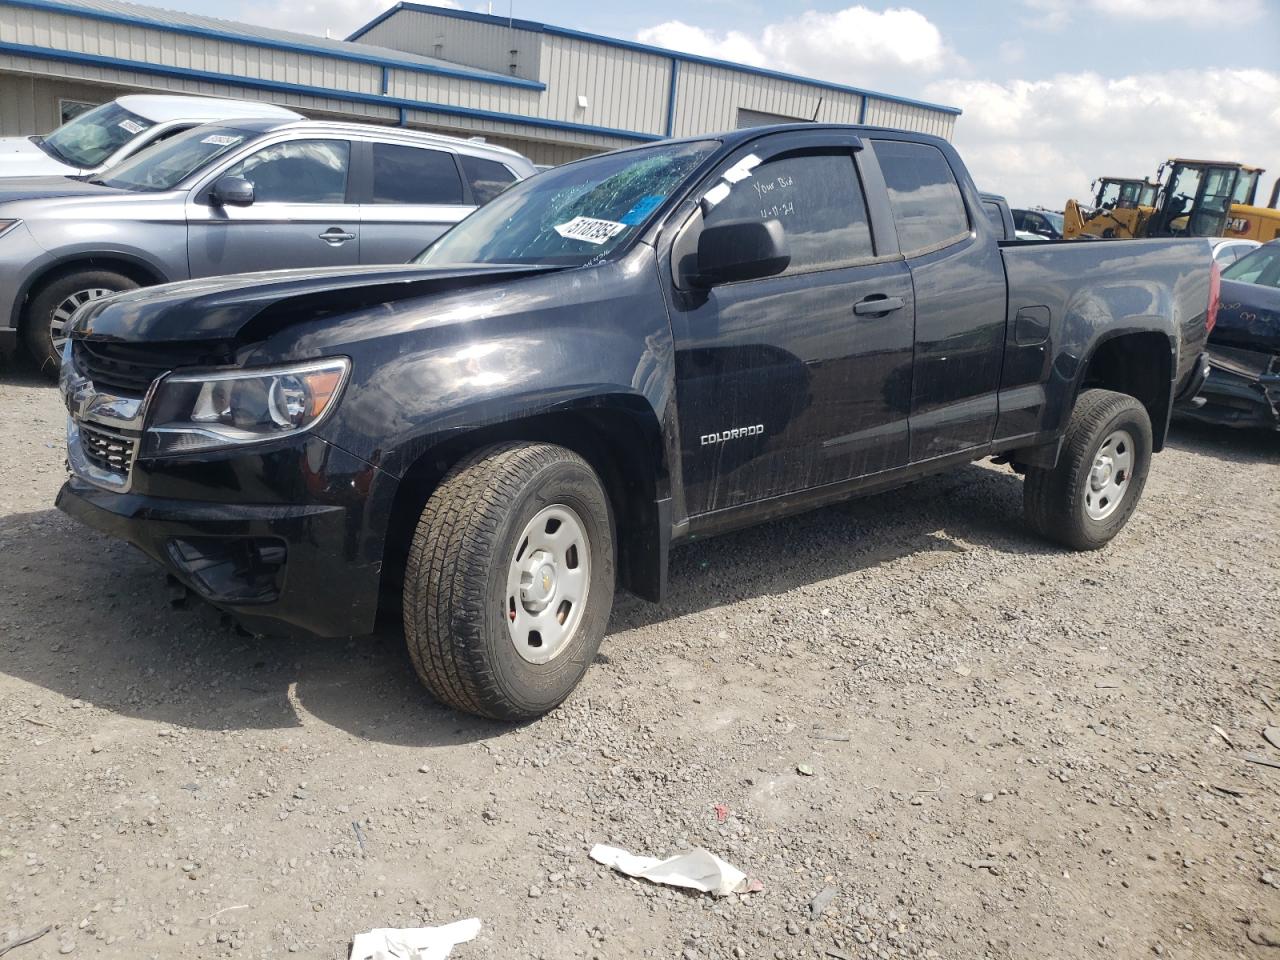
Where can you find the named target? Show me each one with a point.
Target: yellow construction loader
(1189, 198)
(1121, 207)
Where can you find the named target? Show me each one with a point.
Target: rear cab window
(817, 197)
(415, 176)
(924, 195)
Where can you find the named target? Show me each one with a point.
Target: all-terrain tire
(1055, 500)
(456, 581)
(79, 285)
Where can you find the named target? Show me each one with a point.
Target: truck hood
(249, 306)
(1248, 317)
(19, 157)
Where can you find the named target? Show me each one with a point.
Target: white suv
(102, 137)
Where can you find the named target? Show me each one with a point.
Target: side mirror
(231, 192)
(741, 250)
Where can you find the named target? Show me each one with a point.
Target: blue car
(1243, 386)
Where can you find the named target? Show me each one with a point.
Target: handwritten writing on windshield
(773, 194)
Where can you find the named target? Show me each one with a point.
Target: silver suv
(232, 197)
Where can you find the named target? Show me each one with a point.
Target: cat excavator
(1189, 198)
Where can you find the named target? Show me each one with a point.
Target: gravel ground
(983, 745)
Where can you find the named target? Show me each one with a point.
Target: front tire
(509, 580)
(51, 309)
(1086, 499)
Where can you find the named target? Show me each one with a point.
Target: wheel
(53, 306)
(509, 580)
(1089, 496)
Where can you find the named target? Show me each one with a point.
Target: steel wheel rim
(1108, 481)
(548, 579)
(64, 311)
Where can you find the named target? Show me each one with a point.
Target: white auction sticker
(221, 140)
(589, 229)
(130, 126)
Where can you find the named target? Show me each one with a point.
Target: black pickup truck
(611, 357)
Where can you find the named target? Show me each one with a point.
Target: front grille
(132, 368)
(110, 450)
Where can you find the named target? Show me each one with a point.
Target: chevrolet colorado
(613, 356)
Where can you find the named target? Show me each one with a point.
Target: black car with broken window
(610, 358)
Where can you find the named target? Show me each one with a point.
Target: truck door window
(924, 195)
(488, 178)
(412, 175)
(299, 171)
(818, 200)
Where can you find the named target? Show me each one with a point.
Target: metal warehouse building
(550, 92)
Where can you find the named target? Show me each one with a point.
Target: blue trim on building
(671, 98)
(106, 16)
(535, 27)
(185, 73)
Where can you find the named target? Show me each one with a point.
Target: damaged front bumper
(1242, 390)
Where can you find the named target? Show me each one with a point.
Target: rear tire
(53, 306)
(509, 580)
(1086, 499)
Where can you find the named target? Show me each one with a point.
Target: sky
(1054, 92)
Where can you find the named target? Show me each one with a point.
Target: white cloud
(855, 45)
(1044, 141)
(732, 45)
(338, 17)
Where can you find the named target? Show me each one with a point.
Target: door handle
(335, 236)
(877, 304)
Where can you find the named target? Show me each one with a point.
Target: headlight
(7, 225)
(209, 411)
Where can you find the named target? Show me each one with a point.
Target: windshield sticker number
(643, 207)
(221, 140)
(589, 229)
(132, 127)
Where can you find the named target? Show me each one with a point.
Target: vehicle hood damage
(1243, 386)
(245, 308)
